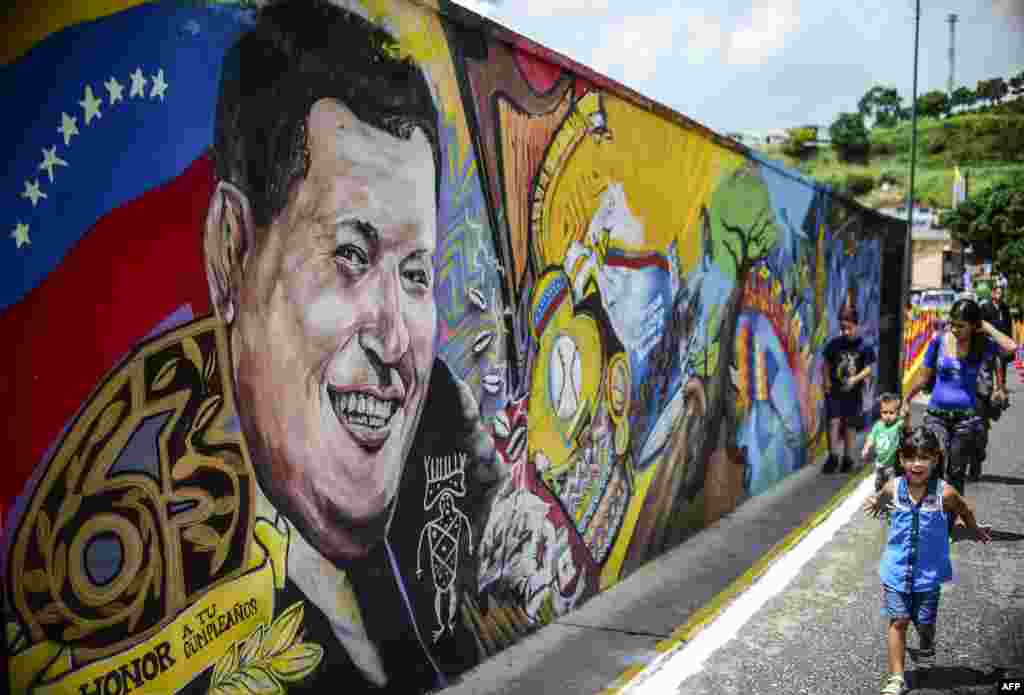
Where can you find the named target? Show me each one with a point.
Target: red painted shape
(540, 74)
(136, 266)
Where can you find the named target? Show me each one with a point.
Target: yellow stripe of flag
(26, 24)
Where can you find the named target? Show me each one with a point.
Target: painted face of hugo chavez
(333, 331)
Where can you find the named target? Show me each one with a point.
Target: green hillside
(989, 146)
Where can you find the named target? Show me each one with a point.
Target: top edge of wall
(469, 19)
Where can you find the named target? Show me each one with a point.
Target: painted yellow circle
(618, 385)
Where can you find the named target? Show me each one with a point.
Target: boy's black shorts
(844, 405)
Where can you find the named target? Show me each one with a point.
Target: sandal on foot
(895, 685)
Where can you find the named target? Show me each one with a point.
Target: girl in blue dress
(916, 560)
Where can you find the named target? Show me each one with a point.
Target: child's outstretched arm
(869, 445)
(876, 503)
(954, 503)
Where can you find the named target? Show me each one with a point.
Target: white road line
(672, 668)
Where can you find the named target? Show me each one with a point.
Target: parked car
(941, 300)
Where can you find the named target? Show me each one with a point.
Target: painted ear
(227, 239)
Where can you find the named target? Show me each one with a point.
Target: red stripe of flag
(136, 266)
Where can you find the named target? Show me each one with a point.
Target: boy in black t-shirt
(847, 365)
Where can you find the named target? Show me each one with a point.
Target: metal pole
(908, 243)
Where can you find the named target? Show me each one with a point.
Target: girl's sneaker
(923, 658)
(895, 685)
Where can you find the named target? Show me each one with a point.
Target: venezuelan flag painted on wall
(109, 109)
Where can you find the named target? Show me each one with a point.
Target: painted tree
(742, 232)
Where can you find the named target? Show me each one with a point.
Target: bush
(850, 137)
(859, 184)
(883, 148)
(889, 177)
(799, 139)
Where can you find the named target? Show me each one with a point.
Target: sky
(757, 65)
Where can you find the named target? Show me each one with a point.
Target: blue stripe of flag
(136, 144)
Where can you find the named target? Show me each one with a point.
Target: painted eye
(420, 277)
(352, 256)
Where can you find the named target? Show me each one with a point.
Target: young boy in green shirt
(884, 439)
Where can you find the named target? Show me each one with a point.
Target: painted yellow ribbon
(182, 650)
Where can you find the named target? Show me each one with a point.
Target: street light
(908, 242)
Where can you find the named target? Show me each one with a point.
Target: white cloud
(537, 8)
(704, 37)
(483, 7)
(634, 45)
(763, 31)
(1012, 10)
(548, 8)
(873, 20)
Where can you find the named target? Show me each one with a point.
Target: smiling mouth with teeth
(364, 414)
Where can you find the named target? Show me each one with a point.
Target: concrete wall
(927, 265)
(348, 372)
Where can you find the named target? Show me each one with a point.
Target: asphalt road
(824, 632)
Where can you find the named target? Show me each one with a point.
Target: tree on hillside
(799, 139)
(993, 90)
(849, 136)
(934, 103)
(883, 104)
(1016, 84)
(963, 97)
(994, 221)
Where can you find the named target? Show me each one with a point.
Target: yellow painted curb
(713, 608)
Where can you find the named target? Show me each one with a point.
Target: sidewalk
(824, 632)
(628, 626)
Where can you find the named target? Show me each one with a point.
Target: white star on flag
(138, 84)
(50, 160)
(32, 192)
(114, 88)
(91, 105)
(20, 235)
(68, 127)
(159, 86)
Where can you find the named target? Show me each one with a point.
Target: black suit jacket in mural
(238, 621)
(400, 609)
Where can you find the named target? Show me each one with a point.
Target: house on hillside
(938, 260)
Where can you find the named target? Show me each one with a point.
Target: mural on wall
(412, 342)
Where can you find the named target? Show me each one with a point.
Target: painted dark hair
(298, 52)
(920, 442)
